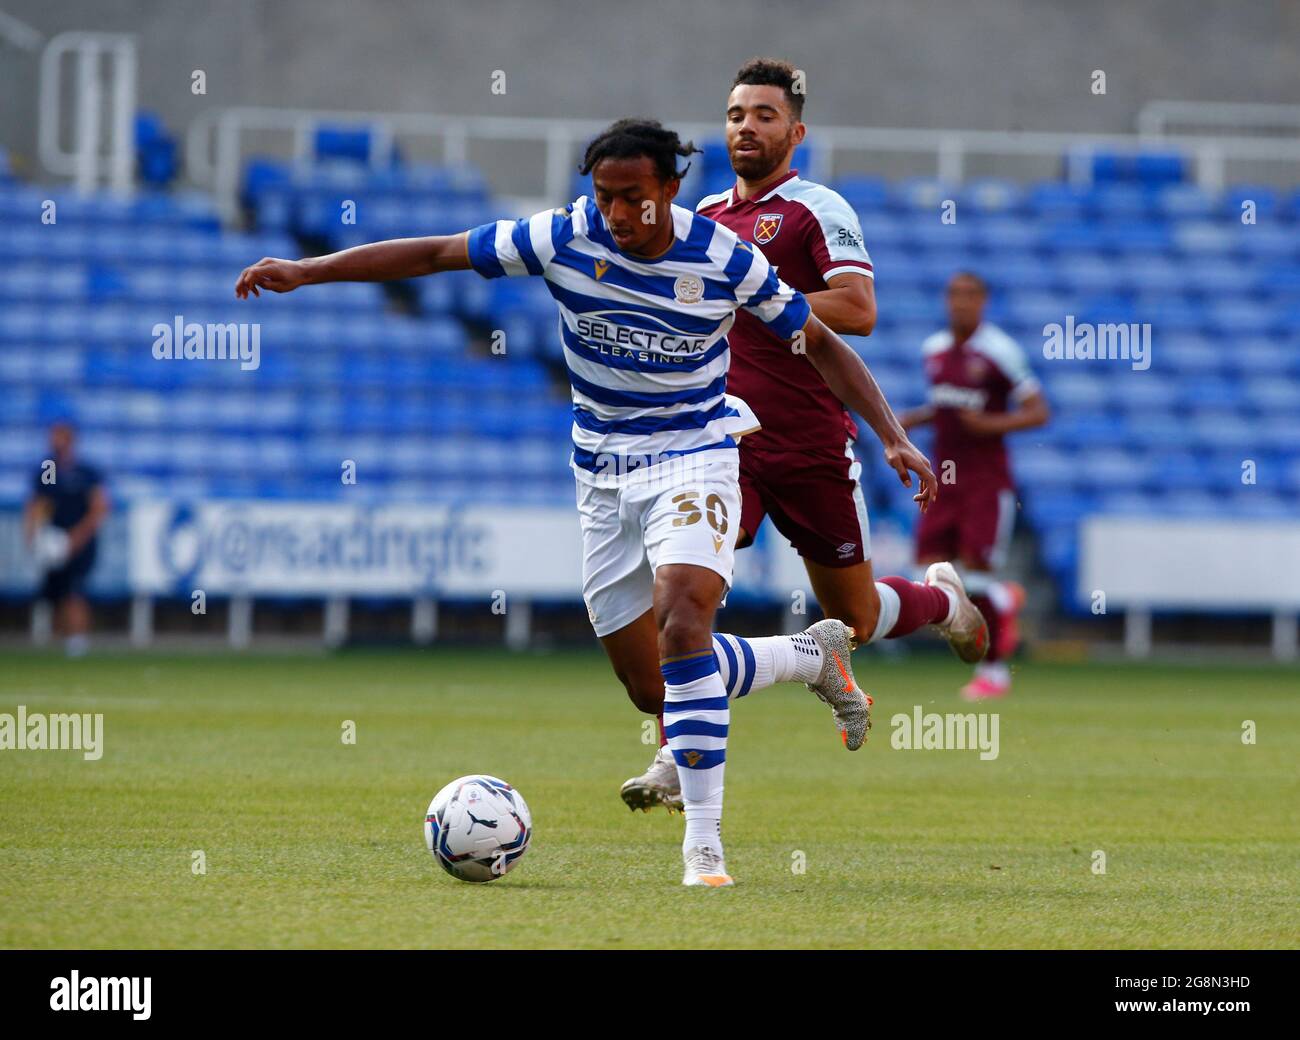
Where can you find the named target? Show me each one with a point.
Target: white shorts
(628, 532)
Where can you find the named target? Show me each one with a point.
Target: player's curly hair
(634, 138)
(773, 72)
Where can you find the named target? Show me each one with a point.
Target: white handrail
(1155, 117)
(87, 160)
(19, 33)
(560, 137)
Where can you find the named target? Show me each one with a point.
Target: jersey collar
(736, 200)
(969, 339)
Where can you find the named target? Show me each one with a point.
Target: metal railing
(1158, 118)
(216, 142)
(98, 152)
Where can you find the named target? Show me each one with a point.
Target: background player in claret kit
(647, 293)
(800, 468)
(976, 374)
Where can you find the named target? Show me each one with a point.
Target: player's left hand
(905, 459)
(270, 273)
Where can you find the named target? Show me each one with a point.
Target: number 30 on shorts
(688, 505)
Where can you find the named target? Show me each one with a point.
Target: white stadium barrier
(1141, 565)
(219, 140)
(333, 551)
(243, 550)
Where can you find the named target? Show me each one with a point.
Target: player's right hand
(271, 273)
(905, 459)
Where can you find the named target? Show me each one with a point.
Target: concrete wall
(994, 64)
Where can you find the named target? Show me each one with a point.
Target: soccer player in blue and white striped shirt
(647, 292)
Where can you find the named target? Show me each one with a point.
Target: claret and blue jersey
(645, 340)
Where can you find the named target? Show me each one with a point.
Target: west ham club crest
(766, 227)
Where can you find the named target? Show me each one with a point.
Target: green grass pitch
(311, 842)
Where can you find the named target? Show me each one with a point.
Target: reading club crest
(688, 289)
(766, 227)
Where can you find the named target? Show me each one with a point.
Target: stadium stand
(402, 381)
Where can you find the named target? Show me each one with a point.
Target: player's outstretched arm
(852, 382)
(388, 261)
(917, 416)
(1032, 412)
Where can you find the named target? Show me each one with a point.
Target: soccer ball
(478, 828)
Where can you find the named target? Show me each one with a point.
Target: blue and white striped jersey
(645, 341)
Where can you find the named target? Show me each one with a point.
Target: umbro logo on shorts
(846, 550)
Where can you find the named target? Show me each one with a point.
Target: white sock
(890, 605)
(755, 664)
(696, 717)
(994, 671)
(1001, 598)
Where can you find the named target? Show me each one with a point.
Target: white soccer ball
(478, 828)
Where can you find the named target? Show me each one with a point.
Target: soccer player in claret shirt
(800, 469)
(647, 292)
(977, 373)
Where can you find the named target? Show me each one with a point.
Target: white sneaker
(658, 785)
(836, 686)
(705, 866)
(967, 632)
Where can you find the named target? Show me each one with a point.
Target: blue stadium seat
(1240, 317)
(1138, 237)
(921, 195)
(1278, 279)
(1149, 274)
(400, 378)
(1240, 199)
(1075, 390)
(1073, 238)
(1194, 238)
(1085, 275)
(1021, 273)
(1010, 234)
(1267, 243)
(990, 195)
(353, 143)
(865, 194)
(1277, 433)
(1172, 315)
(1120, 202)
(1057, 201)
(1183, 202)
(1272, 395)
(1144, 168)
(883, 230)
(1036, 309)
